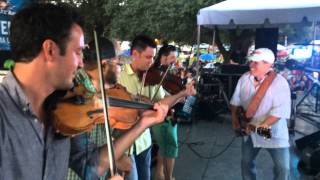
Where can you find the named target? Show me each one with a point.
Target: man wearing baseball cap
(271, 112)
(86, 143)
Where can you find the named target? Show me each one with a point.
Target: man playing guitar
(268, 109)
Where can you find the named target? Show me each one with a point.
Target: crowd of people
(53, 65)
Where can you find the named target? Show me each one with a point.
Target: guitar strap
(255, 102)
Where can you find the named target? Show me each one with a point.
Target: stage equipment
(214, 91)
(309, 148)
(267, 38)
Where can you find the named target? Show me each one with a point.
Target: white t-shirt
(276, 102)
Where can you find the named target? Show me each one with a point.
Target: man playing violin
(111, 68)
(46, 43)
(165, 134)
(88, 76)
(143, 50)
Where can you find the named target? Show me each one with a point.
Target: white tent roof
(252, 12)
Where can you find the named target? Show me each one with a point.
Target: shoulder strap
(255, 102)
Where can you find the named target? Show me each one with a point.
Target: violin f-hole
(91, 113)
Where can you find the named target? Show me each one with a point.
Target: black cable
(212, 157)
(209, 157)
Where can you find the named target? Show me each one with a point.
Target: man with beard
(89, 77)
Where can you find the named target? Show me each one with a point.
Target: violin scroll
(171, 83)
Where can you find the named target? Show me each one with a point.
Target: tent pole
(198, 42)
(213, 40)
(198, 53)
(314, 38)
(285, 40)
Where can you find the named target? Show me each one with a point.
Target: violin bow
(113, 169)
(142, 85)
(160, 83)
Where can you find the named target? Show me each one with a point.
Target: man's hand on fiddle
(190, 90)
(97, 102)
(152, 117)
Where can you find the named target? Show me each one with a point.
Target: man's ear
(49, 47)
(135, 52)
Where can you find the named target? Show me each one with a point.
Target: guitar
(244, 122)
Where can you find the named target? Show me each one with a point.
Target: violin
(171, 83)
(72, 116)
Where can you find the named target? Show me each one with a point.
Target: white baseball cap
(262, 54)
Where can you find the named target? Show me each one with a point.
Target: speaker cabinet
(267, 38)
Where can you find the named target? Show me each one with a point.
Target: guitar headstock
(264, 132)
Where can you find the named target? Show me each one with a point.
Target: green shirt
(130, 80)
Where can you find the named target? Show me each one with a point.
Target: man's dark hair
(165, 50)
(31, 26)
(141, 42)
(106, 50)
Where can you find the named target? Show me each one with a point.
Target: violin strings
(142, 85)
(158, 87)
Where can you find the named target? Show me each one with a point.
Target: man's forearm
(120, 146)
(173, 99)
(269, 121)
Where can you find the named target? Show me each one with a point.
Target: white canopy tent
(257, 13)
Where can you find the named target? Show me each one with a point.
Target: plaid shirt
(98, 134)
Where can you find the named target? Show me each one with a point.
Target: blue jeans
(280, 157)
(140, 169)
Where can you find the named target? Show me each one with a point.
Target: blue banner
(7, 9)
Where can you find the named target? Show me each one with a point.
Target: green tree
(297, 33)
(171, 20)
(98, 14)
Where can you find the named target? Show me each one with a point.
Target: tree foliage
(171, 20)
(300, 33)
(98, 14)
